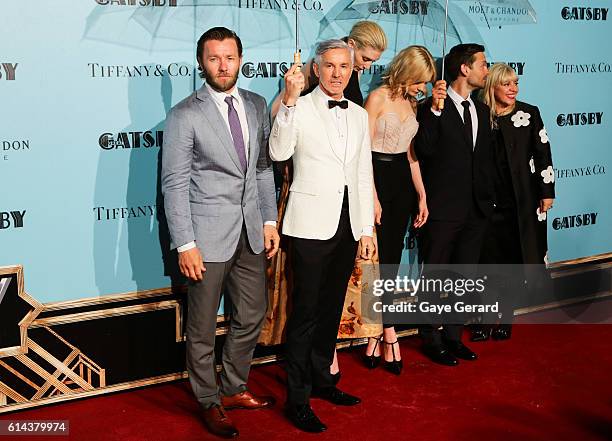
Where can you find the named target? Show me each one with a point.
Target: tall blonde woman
(524, 187)
(368, 41)
(399, 192)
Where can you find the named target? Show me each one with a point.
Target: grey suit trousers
(243, 279)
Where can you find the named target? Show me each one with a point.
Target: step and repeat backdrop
(85, 87)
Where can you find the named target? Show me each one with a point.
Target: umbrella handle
(440, 104)
(297, 59)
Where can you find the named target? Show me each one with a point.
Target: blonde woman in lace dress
(399, 192)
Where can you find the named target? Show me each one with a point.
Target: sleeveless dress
(396, 192)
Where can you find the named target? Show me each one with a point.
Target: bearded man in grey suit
(219, 197)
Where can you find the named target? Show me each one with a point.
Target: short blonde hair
(411, 65)
(499, 73)
(368, 34)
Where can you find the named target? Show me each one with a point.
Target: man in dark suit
(454, 146)
(219, 198)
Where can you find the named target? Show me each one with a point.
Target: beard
(220, 84)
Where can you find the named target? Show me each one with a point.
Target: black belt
(389, 157)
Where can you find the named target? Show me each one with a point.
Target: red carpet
(549, 382)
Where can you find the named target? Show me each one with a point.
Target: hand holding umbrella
(439, 95)
(440, 102)
(294, 84)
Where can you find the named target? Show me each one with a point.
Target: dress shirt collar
(323, 97)
(458, 99)
(219, 97)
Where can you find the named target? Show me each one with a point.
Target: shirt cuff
(186, 247)
(285, 115)
(273, 223)
(436, 112)
(368, 230)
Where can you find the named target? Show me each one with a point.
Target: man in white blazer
(330, 208)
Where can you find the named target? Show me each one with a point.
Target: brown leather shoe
(218, 423)
(246, 400)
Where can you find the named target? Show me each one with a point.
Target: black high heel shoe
(372, 361)
(395, 366)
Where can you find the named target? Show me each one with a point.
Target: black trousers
(451, 242)
(321, 271)
(397, 197)
(503, 257)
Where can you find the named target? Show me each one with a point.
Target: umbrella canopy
(422, 25)
(177, 28)
(491, 13)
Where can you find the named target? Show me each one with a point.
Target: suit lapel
(353, 130)
(251, 114)
(483, 120)
(212, 115)
(330, 129)
(454, 115)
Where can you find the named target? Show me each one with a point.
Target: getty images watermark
(413, 287)
(457, 294)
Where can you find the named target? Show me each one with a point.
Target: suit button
(243, 205)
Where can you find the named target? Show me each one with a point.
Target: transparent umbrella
(403, 26)
(177, 28)
(489, 10)
(492, 13)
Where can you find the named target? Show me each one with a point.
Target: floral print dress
(530, 160)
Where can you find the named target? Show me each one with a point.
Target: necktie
(467, 122)
(236, 130)
(342, 104)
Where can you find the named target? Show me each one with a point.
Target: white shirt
(219, 99)
(340, 119)
(457, 100)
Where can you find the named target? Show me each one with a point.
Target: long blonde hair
(367, 33)
(413, 64)
(499, 73)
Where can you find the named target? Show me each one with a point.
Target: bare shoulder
(378, 95)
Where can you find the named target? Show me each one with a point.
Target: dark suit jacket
(455, 176)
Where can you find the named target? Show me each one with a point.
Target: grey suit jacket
(207, 196)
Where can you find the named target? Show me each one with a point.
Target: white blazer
(310, 137)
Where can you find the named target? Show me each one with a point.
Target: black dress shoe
(305, 419)
(461, 351)
(336, 377)
(503, 332)
(440, 355)
(335, 396)
(480, 333)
